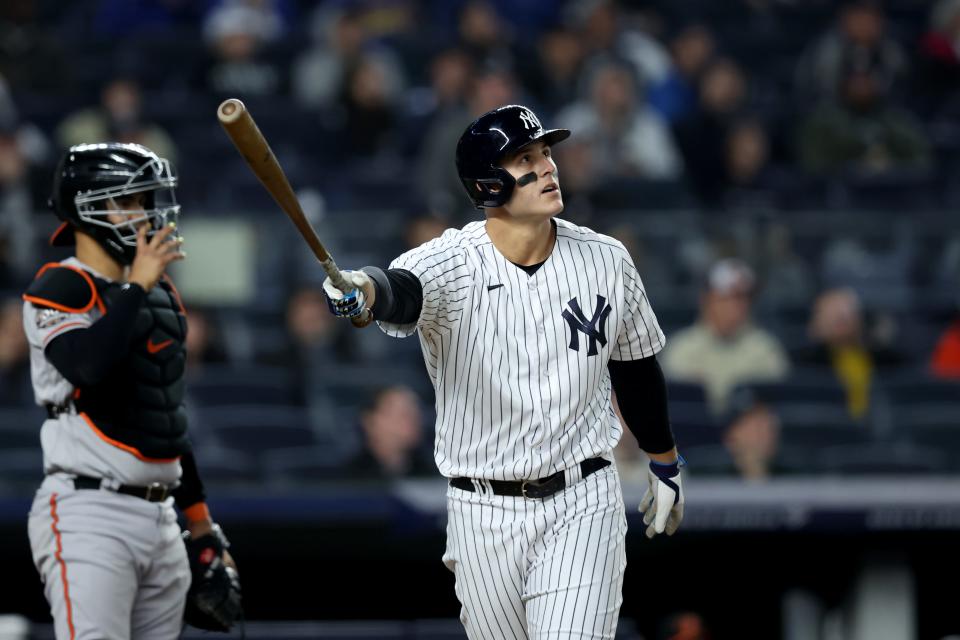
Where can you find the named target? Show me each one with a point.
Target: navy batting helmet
(91, 175)
(491, 137)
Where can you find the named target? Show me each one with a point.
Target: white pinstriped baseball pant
(529, 568)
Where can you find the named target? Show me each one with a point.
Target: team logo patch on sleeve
(49, 318)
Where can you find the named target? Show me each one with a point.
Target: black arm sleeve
(399, 295)
(191, 490)
(642, 395)
(83, 356)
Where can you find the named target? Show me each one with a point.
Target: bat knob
(362, 320)
(230, 110)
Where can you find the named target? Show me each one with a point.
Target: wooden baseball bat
(243, 131)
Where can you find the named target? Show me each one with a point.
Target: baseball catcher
(107, 335)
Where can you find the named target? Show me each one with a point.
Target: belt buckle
(536, 484)
(161, 490)
(523, 489)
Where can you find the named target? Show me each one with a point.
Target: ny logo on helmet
(529, 120)
(593, 328)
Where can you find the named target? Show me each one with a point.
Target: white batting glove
(662, 504)
(347, 304)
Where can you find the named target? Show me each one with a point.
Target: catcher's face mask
(155, 180)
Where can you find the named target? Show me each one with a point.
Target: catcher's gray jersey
(518, 361)
(72, 443)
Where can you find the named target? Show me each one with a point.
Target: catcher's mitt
(213, 602)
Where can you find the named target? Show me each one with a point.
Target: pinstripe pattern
(539, 568)
(513, 400)
(523, 391)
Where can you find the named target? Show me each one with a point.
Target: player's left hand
(214, 600)
(662, 504)
(348, 304)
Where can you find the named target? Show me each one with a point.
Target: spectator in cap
(238, 36)
(724, 348)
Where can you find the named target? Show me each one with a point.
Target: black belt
(154, 492)
(542, 488)
(54, 411)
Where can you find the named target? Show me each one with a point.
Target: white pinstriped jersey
(519, 362)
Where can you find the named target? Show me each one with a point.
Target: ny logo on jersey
(593, 329)
(529, 120)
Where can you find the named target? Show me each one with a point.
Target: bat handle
(337, 279)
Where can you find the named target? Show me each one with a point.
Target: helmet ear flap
(494, 191)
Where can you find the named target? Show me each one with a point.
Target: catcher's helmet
(487, 141)
(91, 175)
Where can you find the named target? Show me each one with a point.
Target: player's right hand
(349, 304)
(154, 255)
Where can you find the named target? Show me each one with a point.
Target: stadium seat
(809, 397)
(690, 417)
(226, 384)
(708, 460)
(20, 427)
(297, 465)
(882, 458)
(254, 429)
(226, 467)
(21, 469)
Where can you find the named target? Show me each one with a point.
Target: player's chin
(552, 203)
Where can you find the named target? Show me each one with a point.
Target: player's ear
(489, 188)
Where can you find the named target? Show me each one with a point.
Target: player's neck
(90, 253)
(521, 241)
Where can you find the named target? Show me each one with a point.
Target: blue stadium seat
(926, 412)
(21, 469)
(807, 397)
(20, 427)
(254, 429)
(298, 465)
(690, 417)
(230, 384)
(226, 467)
(708, 460)
(882, 458)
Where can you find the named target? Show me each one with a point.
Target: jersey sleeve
(440, 266)
(60, 299)
(639, 335)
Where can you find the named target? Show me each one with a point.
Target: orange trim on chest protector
(94, 298)
(125, 447)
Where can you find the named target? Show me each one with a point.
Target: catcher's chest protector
(140, 403)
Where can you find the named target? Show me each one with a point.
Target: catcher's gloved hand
(662, 504)
(213, 602)
(347, 304)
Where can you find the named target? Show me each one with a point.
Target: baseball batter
(106, 330)
(526, 322)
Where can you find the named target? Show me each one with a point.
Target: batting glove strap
(665, 470)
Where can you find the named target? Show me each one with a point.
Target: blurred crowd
(778, 169)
